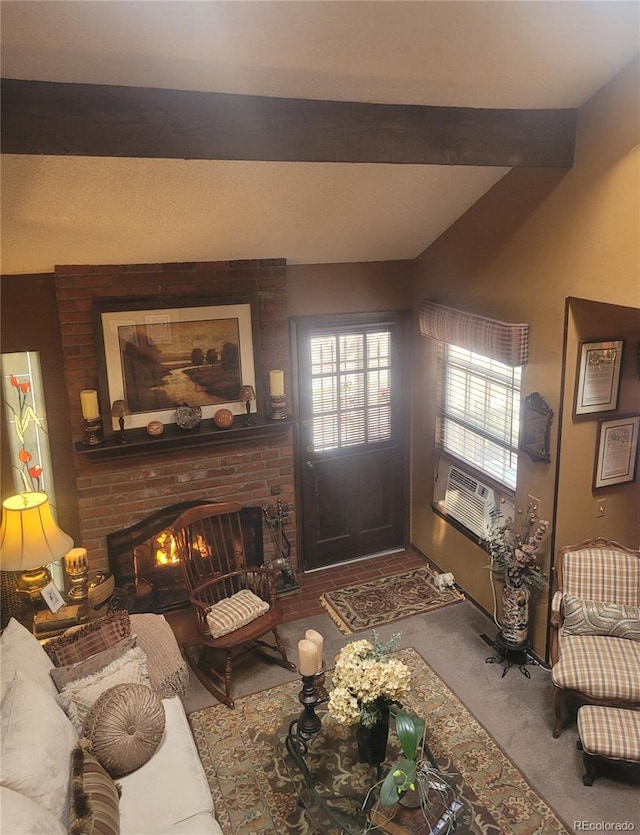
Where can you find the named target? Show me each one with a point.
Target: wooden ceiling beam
(51, 118)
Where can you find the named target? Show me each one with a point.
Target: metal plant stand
(509, 655)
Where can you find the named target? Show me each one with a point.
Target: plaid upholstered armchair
(595, 620)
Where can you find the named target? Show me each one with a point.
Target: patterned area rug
(256, 787)
(367, 605)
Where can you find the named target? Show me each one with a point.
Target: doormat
(376, 602)
(256, 787)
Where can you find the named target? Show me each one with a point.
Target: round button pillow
(124, 727)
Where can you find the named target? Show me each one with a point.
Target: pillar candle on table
(89, 403)
(307, 658)
(316, 639)
(276, 383)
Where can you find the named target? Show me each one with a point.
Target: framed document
(598, 377)
(616, 458)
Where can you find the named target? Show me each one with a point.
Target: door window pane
(351, 388)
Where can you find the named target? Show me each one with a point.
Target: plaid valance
(502, 341)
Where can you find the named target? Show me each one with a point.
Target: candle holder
(309, 722)
(93, 432)
(313, 693)
(278, 403)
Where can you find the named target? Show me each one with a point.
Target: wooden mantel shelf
(207, 434)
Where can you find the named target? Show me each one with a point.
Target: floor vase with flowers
(372, 741)
(515, 615)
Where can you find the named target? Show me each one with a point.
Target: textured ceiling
(62, 210)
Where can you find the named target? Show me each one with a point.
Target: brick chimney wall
(114, 494)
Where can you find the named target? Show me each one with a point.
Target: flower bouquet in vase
(366, 681)
(513, 548)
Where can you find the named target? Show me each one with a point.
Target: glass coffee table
(340, 794)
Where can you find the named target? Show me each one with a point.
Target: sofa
(595, 627)
(51, 778)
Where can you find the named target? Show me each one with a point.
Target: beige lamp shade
(29, 535)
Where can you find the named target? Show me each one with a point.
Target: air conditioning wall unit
(469, 501)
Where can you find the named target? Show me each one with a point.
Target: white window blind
(480, 413)
(351, 388)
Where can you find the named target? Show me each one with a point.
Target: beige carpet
(372, 604)
(254, 791)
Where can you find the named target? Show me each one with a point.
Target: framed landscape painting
(159, 358)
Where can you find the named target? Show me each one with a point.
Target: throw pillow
(125, 727)
(81, 669)
(21, 651)
(94, 797)
(82, 642)
(36, 743)
(593, 617)
(78, 696)
(168, 671)
(236, 611)
(22, 814)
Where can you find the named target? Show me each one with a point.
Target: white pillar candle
(276, 383)
(317, 639)
(89, 403)
(76, 560)
(307, 658)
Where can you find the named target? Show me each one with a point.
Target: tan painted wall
(536, 238)
(349, 288)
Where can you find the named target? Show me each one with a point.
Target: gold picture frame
(158, 357)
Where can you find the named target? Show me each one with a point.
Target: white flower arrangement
(366, 679)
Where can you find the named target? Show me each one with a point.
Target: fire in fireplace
(146, 568)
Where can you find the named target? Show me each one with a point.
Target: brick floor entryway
(305, 601)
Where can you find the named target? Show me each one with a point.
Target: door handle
(310, 465)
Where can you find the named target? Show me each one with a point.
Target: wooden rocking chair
(211, 548)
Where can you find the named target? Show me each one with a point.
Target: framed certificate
(617, 453)
(598, 377)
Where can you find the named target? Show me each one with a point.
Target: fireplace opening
(146, 567)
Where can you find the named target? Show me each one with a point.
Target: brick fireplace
(118, 492)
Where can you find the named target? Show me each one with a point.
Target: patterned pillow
(79, 695)
(236, 611)
(593, 617)
(86, 640)
(94, 797)
(125, 727)
(81, 669)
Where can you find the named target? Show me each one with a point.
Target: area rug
(371, 604)
(255, 787)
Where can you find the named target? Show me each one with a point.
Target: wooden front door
(351, 447)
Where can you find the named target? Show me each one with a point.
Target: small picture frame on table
(617, 452)
(52, 597)
(598, 377)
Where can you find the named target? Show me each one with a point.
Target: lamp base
(31, 583)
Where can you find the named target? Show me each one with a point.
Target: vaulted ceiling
(129, 175)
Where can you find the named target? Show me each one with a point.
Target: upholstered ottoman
(608, 733)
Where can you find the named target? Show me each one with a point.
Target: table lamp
(120, 410)
(247, 394)
(30, 539)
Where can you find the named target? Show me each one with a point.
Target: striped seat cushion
(610, 732)
(599, 666)
(236, 611)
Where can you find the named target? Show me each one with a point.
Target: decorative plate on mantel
(188, 417)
